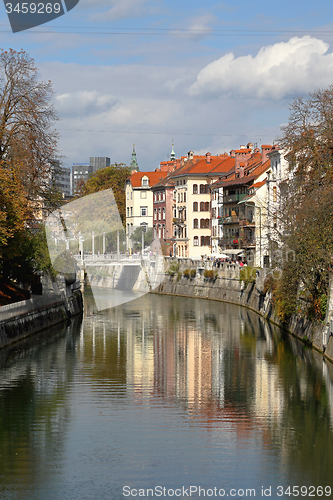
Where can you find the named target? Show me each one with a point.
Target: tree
(28, 141)
(113, 177)
(28, 145)
(307, 208)
(136, 237)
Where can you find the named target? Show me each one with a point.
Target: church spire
(134, 162)
(173, 155)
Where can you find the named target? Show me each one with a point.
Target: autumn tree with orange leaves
(28, 143)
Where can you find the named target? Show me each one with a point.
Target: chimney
(250, 146)
(190, 155)
(208, 156)
(267, 148)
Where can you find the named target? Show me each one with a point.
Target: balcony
(179, 222)
(247, 222)
(231, 198)
(232, 241)
(232, 219)
(247, 242)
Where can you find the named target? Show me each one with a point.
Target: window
(174, 195)
(185, 196)
(207, 206)
(163, 213)
(144, 182)
(195, 223)
(155, 214)
(143, 211)
(127, 211)
(127, 195)
(205, 241)
(274, 194)
(196, 241)
(202, 189)
(202, 206)
(195, 206)
(195, 188)
(131, 211)
(202, 223)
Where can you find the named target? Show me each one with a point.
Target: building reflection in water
(217, 360)
(218, 367)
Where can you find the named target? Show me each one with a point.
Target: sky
(209, 76)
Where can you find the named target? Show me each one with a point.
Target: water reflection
(162, 388)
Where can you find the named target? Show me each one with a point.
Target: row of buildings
(205, 205)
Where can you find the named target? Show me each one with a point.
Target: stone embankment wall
(227, 287)
(22, 319)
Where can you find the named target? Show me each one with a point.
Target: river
(165, 397)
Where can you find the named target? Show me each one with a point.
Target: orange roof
(244, 150)
(259, 184)
(153, 177)
(218, 164)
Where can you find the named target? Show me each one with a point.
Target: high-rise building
(80, 171)
(63, 180)
(98, 162)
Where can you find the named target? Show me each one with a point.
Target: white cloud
(84, 103)
(122, 9)
(277, 71)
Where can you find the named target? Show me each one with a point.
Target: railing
(107, 257)
(231, 219)
(247, 242)
(246, 222)
(233, 197)
(179, 222)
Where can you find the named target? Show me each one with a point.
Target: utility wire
(154, 133)
(86, 30)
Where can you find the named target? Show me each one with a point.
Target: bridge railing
(108, 257)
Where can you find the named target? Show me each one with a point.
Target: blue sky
(208, 75)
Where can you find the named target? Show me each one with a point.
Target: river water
(198, 397)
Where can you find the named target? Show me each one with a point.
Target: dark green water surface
(165, 392)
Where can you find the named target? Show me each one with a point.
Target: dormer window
(144, 182)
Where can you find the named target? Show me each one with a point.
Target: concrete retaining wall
(30, 320)
(226, 287)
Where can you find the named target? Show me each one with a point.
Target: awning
(231, 251)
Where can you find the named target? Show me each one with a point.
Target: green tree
(136, 237)
(113, 177)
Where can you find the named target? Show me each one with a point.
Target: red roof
(243, 150)
(153, 177)
(259, 184)
(217, 165)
